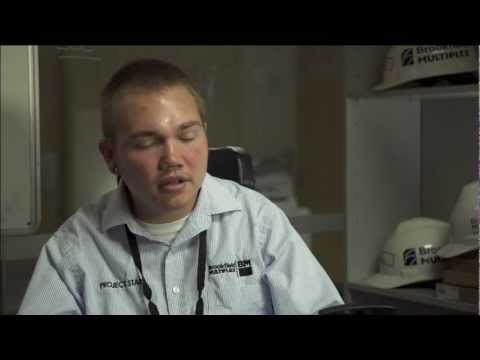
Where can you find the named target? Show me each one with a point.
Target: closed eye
(144, 142)
(189, 133)
(188, 136)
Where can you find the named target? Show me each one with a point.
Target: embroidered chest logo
(120, 284)
(241, 267)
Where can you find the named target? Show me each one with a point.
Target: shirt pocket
(234, 297)
(254, 299)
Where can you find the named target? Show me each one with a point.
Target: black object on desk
(351, 309)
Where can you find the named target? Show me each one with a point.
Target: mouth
(173, 184)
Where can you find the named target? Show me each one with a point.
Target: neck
(164, 218)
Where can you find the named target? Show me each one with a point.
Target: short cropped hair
(148, 75)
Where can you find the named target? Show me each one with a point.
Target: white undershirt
(164, 232)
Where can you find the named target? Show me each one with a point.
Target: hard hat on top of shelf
(426, 64)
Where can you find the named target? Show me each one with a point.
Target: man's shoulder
(80, 225)
(255, 207)
(88, 214)
(246, 196)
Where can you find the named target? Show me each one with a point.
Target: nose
(170, 157)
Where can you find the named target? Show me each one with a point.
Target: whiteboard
(20, 157)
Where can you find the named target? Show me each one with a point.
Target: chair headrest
(232, 163)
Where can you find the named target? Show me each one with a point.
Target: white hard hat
(404, 64)
(410, 254)
(463, 235)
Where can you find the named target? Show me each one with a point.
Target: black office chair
(232, 163)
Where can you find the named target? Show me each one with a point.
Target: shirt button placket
(171, 282)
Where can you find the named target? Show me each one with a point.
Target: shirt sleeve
(48, 292)
(298, 283)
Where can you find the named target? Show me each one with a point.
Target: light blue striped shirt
(87, 268)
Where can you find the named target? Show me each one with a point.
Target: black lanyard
(147, 291)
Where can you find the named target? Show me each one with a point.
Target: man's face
(160, 150)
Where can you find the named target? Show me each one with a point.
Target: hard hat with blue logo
(428, 65)
(410, 256)
(463, 235)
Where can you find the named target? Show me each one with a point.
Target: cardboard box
(465, 263)
(457, 293)
(461, 278)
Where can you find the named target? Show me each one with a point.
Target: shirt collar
(213, 199)
(117, 210)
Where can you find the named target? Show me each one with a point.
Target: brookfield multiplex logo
(407, 57)
(241, 267)
(431, 54)
(424, 255)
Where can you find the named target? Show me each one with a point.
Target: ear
(106, 149)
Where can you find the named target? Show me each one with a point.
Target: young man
(172, 239)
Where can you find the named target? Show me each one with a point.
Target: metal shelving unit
(391, 138)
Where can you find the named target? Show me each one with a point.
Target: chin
(178, 203)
